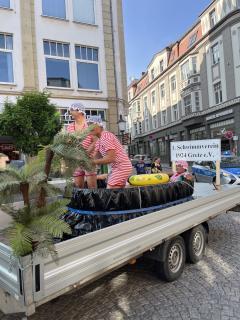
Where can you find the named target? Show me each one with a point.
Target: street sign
(196, 150)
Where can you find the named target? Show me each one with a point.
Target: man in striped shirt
(77, 111)
(112, 152)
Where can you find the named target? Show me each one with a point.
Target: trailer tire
(173, 262)
(195, 241)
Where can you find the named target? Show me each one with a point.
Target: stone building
(191, 89)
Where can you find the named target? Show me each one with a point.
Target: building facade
(191, 89)
(73, 49)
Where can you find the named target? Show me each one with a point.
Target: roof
(207, 8)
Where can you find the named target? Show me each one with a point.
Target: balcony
(193, 79)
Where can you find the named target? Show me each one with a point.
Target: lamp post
(121, 126)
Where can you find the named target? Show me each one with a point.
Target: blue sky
(152, 25)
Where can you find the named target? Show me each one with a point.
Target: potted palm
(34, 224)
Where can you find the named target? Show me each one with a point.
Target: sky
(151, 25)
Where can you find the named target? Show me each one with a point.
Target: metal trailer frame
(33, 281)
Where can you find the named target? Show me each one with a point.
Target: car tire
(171, 268)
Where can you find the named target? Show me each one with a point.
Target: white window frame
(154, 103)
(57, 57)
(218, 94)
(189, 105)
(9, 51)
(161, 65)
(173, 84)
(152, 74)
(215, 55)
(88, 61)
(164, 117)
(175, 112)
(212, 18)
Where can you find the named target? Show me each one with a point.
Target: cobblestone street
(208, 290)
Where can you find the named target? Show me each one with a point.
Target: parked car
(141, 157)
(206, 171)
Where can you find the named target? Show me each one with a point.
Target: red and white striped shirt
(108, 141)
(87, 141)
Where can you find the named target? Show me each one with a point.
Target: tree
(32, 121)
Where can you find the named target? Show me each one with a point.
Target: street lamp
(121, 126)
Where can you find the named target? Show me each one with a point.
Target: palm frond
(20, 239)
(51, 225)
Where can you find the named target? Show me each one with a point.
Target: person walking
(112, 153)
(77, 111)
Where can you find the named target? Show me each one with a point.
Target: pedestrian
(156, 166)
(181, 173)
(140, 167)
(77, 111)
(112, 153)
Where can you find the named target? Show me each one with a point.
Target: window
(153, 98)
(187, 102)
(87, 67)
(194, 65)
(192, 39)
(54, 8)
(145, 107)
(6, 62)
(4, 3)
(161, 66)
(212, 18)
(146, 125)
(57, 69)
(152, 74)
(138, 107)
(215, 54)
(154, 122)
(185, 71)
(173, 83)
(162, 91)
(218, 92)
(197, 100)
(164, 117)
(175, 112)
(139, 127)
(83, 11)
(135, 126)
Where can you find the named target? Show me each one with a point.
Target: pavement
(209, 290)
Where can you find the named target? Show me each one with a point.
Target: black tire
(196, 240)
(174, 261)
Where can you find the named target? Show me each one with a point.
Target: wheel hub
(198, 243)
(175, 258)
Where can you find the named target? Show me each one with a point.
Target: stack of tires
(93, 209)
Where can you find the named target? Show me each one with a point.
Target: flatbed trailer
(170, 237)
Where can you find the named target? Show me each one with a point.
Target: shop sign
(196, 150)
(220, 114)
(228, 134)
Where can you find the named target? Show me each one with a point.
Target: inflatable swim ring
(148, 179)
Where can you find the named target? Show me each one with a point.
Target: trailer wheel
(196, 243)
(173, 262)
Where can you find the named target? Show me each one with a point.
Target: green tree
(31, 121)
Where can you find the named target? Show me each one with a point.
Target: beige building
(73, 49)
(191, 89)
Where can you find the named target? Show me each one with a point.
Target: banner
(196, 150)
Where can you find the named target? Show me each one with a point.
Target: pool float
(148, 179)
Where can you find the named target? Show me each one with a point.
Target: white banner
(196, 150)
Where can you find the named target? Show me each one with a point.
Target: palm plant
(36, 224)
